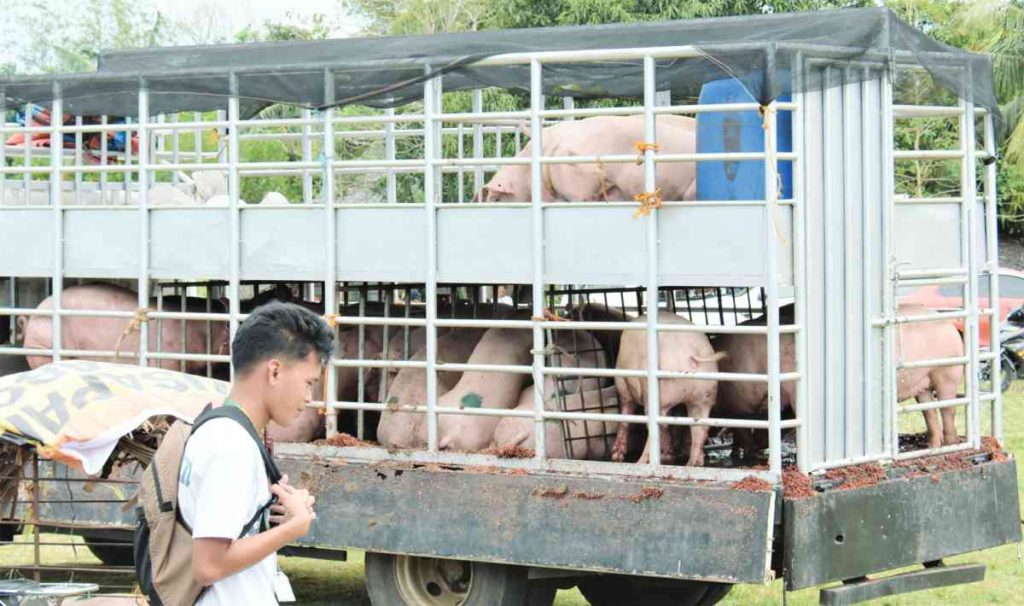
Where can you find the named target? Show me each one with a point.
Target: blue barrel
(738, 132)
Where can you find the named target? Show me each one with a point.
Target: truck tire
(399, 580)
(624, 590)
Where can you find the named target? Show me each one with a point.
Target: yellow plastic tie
(648, 200)
(643, 147)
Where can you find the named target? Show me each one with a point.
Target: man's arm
(214, 559)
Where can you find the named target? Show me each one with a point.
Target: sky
(213, 20)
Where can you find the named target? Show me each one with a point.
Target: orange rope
(648, 200)
(643, 147)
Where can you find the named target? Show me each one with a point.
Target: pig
(678, 351)
(494, 390)
(102, 334)
(587, 439)
(401, 429)
(929, 341)
(600, 136)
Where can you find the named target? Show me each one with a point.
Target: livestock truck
(764, 194)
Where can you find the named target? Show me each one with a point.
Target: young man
(277, 354)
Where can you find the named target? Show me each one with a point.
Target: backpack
(163, 541)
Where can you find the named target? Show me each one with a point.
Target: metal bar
(389, 155)
(144, 174)
(957, 361)
(929, 200)
(329, 152)
(889, 277)
(907, 274)
(478, 139)
(57, 214)
(926, 111)
(922, 406)
(991, 266)
(35, 455)
(234, 196)
(968, 191)
(431, 94)
(850, 424)
(800, 278)
(653, 403)
(907, 582)
(771, 272)
(927, 154)
(307, 155)
(930, 452)
(936, 317)
(537, 247)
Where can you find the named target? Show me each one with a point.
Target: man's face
(290, 389)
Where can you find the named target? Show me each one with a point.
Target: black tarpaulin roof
(389, 71)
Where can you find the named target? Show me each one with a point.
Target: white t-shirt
(223, 471)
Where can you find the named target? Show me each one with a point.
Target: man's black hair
(280, 330)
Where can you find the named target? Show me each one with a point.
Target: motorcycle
(1011, 351)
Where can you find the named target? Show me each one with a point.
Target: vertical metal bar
(431, 93)
(175, 149)
(478, 140)
(330, 275)
(57, 210)
(537, 245)
(197, 139)
(569, 103)
(771, 168)
(3, 154)
(35, 517)
(78, 161)
(460, 147)
(26, 158)
(389, 155)
(992, 266)
(828, 161)
(104, 158)
(126, 177)
(143, 213)
(850, 424)
(385, 350)
(653, 403)
(307, 156)
(360, 378)
(234, 195)
(969, 193)
(867, 255)
(889, 334)
(800, 407)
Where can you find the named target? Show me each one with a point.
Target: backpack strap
(273, 473)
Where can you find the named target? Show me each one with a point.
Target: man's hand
(294, 507)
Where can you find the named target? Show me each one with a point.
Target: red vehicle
(950, 296)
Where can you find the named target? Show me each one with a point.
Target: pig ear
(493, 191)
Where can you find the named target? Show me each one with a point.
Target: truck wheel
(623, 590)
(400, 580)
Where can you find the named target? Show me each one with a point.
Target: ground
(330, 583)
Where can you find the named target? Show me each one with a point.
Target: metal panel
(282, 244)
(843, 186)
(206, 253)
(101, 244)
(395, 252)
(594, 246)
(648, 527)
(484, 245)
(846, 534)
(721, 245)
(30, 232)
(927, 236)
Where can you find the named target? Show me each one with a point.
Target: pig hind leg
(931, 420)
(627, 406)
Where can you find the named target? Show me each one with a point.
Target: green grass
(319, 583)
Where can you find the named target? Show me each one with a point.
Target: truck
(375, 149)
